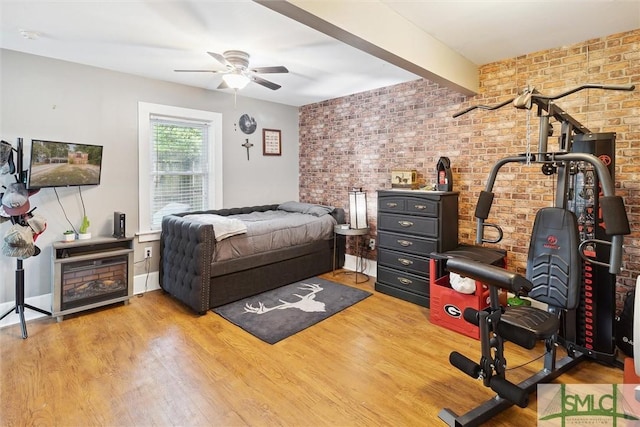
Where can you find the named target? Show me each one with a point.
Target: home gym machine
(574, 254)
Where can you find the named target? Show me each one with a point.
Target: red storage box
(447, 304)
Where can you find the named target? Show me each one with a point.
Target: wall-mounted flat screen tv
(63, 164)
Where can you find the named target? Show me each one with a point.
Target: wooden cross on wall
(247, 145)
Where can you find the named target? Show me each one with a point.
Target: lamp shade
(235, 80)
(357, 208)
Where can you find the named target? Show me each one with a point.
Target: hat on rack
(38, 224)
(18, 242)
(15, 199)
(6, 158)
(3, 215)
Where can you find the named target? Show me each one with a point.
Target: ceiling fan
(238, 74)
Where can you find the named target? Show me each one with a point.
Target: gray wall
(58, 100)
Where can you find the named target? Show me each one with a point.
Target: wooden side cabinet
(411, 225)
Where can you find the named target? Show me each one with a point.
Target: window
(180, 156)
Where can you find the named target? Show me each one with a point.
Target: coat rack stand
(19, 278)
(20, 304)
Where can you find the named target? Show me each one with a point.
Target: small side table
(358, 233)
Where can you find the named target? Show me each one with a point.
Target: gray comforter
(268, 231)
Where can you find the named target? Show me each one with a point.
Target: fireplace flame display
(93, 288)
(89, 281)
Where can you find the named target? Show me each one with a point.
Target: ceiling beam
(375, 28)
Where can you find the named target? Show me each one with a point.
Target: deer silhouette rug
(277, 314)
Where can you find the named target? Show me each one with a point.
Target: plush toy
(464, 285)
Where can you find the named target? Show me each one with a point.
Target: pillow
(305, 208)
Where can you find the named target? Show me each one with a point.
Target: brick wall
(357, 140)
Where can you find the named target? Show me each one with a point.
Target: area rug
(277, 314)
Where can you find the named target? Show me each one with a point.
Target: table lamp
(357, 208)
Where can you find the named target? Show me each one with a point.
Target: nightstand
(344, 230)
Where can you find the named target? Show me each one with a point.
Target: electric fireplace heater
(89, 274)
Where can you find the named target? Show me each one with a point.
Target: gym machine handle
(489, 275)
(583, 253)
(482, 213)
(536, 95)
(493, 226)
(586, 86)
(483, 107)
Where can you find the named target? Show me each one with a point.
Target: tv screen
(63, 164)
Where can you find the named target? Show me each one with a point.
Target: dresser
(411, 225)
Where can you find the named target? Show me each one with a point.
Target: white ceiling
(151, 38)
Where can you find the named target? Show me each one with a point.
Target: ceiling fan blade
(221, 59)
(197, 71)
(223, 85)
(270, 70)
(265, 83)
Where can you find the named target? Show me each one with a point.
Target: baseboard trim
(41, 301)
(146, 282)
(370, 266)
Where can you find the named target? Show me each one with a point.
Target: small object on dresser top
(404, 178)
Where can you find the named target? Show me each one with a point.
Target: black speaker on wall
(119, 220)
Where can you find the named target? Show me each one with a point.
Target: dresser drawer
(404, 261)
(418, 206)
(407, 243)
(422, 226)
(392, 204)
(409, 205)
(403, 280)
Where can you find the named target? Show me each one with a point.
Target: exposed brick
(357, 140)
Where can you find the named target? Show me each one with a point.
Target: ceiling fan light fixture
(235, 80)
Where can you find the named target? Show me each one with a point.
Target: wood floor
(153, 362)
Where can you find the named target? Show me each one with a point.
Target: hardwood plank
(153, 362)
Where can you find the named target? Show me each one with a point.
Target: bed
(211, 258)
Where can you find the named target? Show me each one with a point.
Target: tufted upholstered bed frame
(187, 273)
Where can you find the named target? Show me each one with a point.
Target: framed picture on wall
(271, 142)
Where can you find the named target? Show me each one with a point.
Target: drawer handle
(405, 261)
(405, 223)
(420, 207)
(404, 281)
(392, 205)
(405, 243)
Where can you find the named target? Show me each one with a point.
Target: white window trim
(145, 111)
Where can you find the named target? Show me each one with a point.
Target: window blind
(179, 167)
